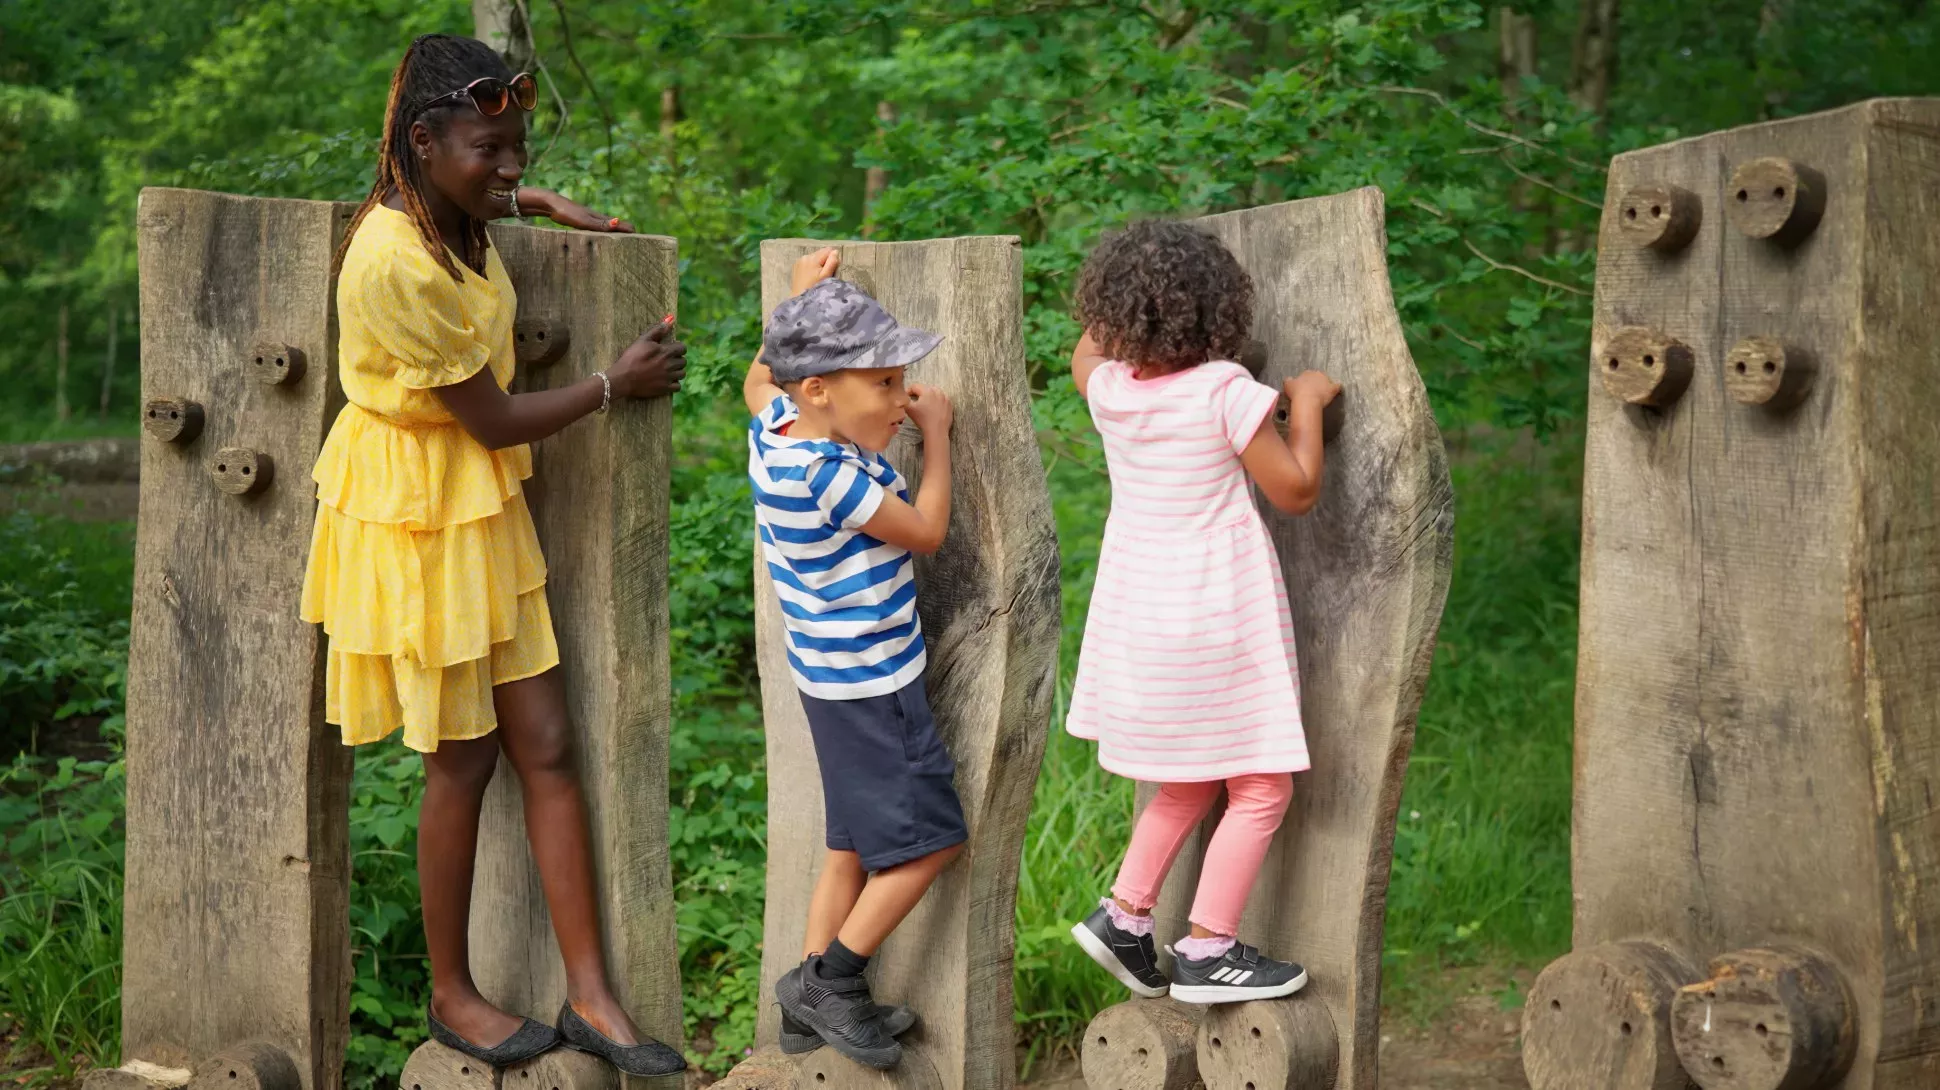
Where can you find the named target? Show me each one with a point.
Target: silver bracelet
(515, 203)
(606, 392)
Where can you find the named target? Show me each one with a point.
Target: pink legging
(1254, 806)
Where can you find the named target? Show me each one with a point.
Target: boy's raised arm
(759, 389)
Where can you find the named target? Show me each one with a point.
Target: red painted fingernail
(668, 320)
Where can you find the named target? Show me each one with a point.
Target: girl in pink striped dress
(1187, 678)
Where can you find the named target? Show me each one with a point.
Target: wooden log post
(236, 920)
(599, 498)
(989, 607)
(1143, 1044)
(1367, 571)
(1758, 687)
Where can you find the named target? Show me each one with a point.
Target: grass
(1480, 880)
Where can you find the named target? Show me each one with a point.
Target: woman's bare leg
(455, 778)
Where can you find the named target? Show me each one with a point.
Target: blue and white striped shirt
(848, 601)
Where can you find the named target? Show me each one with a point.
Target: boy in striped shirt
(836, 527)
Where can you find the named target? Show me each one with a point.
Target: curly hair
(1166, 295)
(433, 67)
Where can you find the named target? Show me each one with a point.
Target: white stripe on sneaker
(1241, 978)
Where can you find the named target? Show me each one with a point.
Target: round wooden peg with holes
(240, 471)
(274, 363)
(1664, 218)
(1602, 1017)
(1269, 1044)
(1643, 366)
(1768, 1019)
(172, 419)
(1775, 199)
(768, 1069)
(433, 1066)
(827, 1069)
(1143, 1044)
(540, 342)
(252, 1065)
(1765, 371)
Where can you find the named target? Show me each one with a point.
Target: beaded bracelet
(606, 392)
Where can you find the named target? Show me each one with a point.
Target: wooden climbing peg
(1664, 218)
(1765, 371)
(274, 363)
(1602, 1017)
(540, 342)
(1768, 1019)
(1775, 199)
(241, 471)
(1644, 366)
(827, 1069)
(251, 1065)
(1269, 1044)
(172, 419)
(1143, 1044)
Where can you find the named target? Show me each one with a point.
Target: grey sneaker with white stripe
(1240, 974)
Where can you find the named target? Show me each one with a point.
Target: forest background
(723, 122)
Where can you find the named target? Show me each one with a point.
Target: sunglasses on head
(492, 95)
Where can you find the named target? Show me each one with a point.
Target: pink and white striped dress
(1187, 672)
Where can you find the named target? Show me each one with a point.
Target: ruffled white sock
(1201, 949)
(1125, 921)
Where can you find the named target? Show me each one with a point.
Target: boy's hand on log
(930, 408)
(544, 202)
(813, 268)
(651, 366)
(1312, 386)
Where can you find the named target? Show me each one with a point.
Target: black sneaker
(797, 1038)
(1124, 955)
(841, 1011)
(1240, 974)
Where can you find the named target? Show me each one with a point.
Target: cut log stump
(1269, 1044)
(1143, 1044)
(1601, 1017)
(1766, 1020)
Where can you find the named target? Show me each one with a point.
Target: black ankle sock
(839, 960)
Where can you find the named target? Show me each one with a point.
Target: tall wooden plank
(989, 605)
(235, 905)
(599, 496)
(1756, 692)
(1367, 573)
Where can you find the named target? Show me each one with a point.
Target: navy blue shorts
(888, 784)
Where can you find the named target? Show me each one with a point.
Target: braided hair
(434, 66)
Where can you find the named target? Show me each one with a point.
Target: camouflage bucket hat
(835, 326)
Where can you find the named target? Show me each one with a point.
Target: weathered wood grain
(1765, 1020)
(599, 498)
(989, 605)
(235, 906)
(248, 1065)
(1759, 653)
(1277, 1044)
(1600, 1017)
(1143, 1044)
(1367, 572)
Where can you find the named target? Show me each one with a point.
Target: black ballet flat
(529, 1040)
(646, 1059)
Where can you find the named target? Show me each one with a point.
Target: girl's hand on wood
(651, 366)
(1314, 386)
(545, 202)
(811, 269)
(930, 408)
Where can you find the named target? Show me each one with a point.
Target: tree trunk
(60, 366)
(876, 179)
(669, 112)
(108, 361)
(1593, 63)
(502, 25)
(1516, 49)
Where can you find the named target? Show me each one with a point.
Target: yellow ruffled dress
(424, 567)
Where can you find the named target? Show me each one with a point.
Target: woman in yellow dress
(424, 566)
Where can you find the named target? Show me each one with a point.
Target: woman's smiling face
(476, 162)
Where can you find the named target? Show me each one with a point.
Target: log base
(767, 1069)
(1768, 1019)
(827, 1069)
(435, 1067)
(1270, 1044)
(1143, 1044)
(1602, 1017)
(251, 1065)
